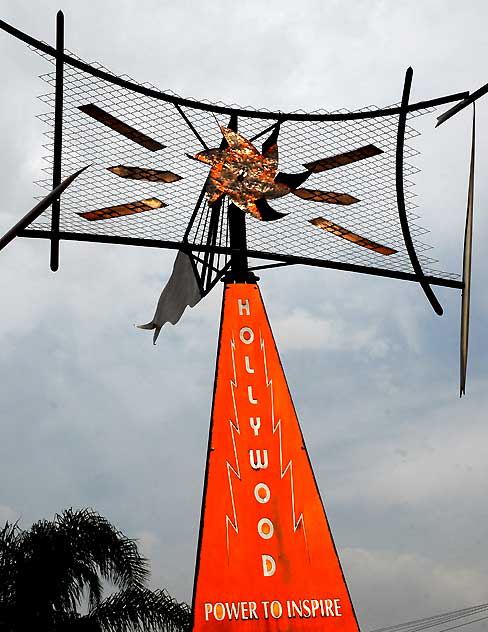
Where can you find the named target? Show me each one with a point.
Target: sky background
(93, 415)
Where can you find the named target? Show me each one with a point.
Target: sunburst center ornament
(243, 173)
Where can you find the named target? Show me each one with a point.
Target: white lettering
(244, 607)
(306, 608)
(276, 609)
(255, 425)
(252, 610)
(251, 396)
(219, 611)
(248, 365)
(232, 610)
(337, 607)
(255, 459)
(208, 610)
(244, 307)
(262, 493)
(246, 335)
(265, 528)
(269, 566)
(265, 608)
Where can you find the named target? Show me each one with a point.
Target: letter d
(269, 565)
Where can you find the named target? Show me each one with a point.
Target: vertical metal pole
(239, 267)
(58, 139)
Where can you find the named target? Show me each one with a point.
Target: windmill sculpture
(266, 557)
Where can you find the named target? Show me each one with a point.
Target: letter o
(265, 528)
(219, 611)
(246, 331)
(262, 493)
(276, 609)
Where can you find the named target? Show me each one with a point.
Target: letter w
(232, 610)
(255, 459)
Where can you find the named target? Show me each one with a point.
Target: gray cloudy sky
(93, 415)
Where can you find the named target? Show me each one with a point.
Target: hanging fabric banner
(266, 558)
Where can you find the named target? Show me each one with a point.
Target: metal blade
(270, 145)
(140, 173)
(292, 180)
(131, 208)
(335, 229)
(325, 196)
(343, 159)
(266, 212)
(119, 126)
(38, 209)
(467, 260)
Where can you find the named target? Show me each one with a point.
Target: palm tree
(47, 573)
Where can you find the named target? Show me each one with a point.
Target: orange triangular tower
(266, 557)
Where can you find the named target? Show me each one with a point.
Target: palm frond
(141, 610)
(115, 555)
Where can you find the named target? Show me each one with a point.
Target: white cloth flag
(181, 291)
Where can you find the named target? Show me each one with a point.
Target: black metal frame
(237, 249)
(252, 254)
(219, 109)
(58, 139)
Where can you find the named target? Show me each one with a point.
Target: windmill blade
(119, 126)
(208, 156)
(270, 145)
(292, 180)
(335, 229)
(343, 159)
(233, 127)
(266, 212)
(330, 197)
(34, 213)
(131, 208)
(140, 173)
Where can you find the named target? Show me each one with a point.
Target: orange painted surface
(266, 559)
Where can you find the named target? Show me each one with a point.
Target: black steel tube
(402, 212)
(254, 254)
(58, 139)
(239, 267)
(34, 213)
(209, 107)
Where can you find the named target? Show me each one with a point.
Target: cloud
(422, 587)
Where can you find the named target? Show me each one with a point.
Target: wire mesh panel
(144, 181)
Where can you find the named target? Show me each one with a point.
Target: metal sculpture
(266, 554)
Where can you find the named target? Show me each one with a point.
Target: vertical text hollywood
(291, 609)
(258, 459)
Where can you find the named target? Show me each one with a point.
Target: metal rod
(402, 212)
(467, 260)
(162, 96)
(464, 104)
(34, 213)
(238, 244)
(58, 139)
(253, 254)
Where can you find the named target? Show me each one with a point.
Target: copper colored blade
(335, 229)
(139, 173)
(343, 159)
(325, 196)
(130, 208)
(119, 126)
(267, 212)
